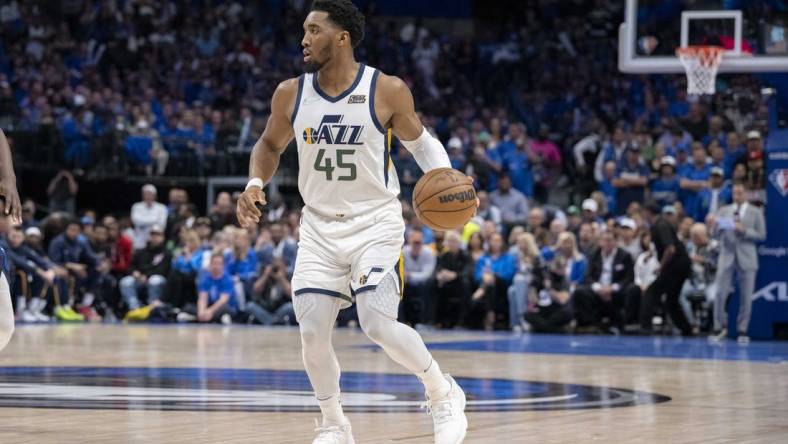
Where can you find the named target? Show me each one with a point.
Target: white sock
(435, 383)
(332, 411)
(87, 299)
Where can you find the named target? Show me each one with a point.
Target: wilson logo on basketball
(462, 196)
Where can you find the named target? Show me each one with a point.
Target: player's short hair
(345, 15)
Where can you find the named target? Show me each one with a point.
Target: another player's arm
(13, 206)
(264, 160)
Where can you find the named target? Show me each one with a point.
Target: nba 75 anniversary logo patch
(357, 98)
(779, 178)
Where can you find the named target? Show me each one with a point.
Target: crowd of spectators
(530, 110)
(184, 88)
(156, 262)
(583, 270)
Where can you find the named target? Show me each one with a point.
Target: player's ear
(343, 38)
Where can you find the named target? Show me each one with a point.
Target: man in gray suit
(738, 227)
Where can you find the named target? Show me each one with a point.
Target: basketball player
(342, 114)
(13, 208)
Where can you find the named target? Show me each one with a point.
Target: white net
(701, 63)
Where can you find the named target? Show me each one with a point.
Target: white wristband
(255, 182)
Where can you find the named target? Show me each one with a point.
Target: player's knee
(311, 335)
(371, 325)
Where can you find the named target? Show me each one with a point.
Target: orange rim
(708, 55)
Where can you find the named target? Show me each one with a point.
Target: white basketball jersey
(343, 151)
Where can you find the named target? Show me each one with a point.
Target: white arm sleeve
(428, 152)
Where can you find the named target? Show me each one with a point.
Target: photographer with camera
(552, 311)
(269, 302)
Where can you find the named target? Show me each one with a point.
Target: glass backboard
(753, 32)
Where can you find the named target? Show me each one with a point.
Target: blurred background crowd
(565, 151)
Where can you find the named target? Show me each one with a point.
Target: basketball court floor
(237, 384)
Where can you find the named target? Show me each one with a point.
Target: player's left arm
(13, 206)
(395, 105)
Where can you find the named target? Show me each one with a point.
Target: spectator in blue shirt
(717, 154)
(612, 150)
(280, 245)
(76, 135)
(565, 260)
(456, 156)
(679, 107)
(518, 163)
(695, 178)
(715, 131)
(241, 262)
(711, 199)
(606, 186)
(682, 158)
(180, 290)
(494, 274)
(665, 188)
(631, 180)
(734, 150)
(216, 298)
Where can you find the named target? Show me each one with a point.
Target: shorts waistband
(344, 217)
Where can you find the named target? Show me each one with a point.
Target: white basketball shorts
(342, 257)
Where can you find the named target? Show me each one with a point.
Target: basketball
(444, 199)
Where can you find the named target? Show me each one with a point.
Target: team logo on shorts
(262, 390)
(332, 131)
(363, 279)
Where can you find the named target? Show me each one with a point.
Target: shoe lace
(440, 410)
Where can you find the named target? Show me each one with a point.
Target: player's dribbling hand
(247, 211)
(10, 204)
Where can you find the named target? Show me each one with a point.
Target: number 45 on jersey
(326, 164)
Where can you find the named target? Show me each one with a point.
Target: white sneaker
(333, 434)
(184, 317)
(37, 310)
(28, 316)
(448, 415)
(720, 336)
(226, 319)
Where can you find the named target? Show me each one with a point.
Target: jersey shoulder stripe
(298, 98)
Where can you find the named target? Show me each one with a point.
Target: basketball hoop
(701, 63)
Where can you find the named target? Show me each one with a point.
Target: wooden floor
(155, 384)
